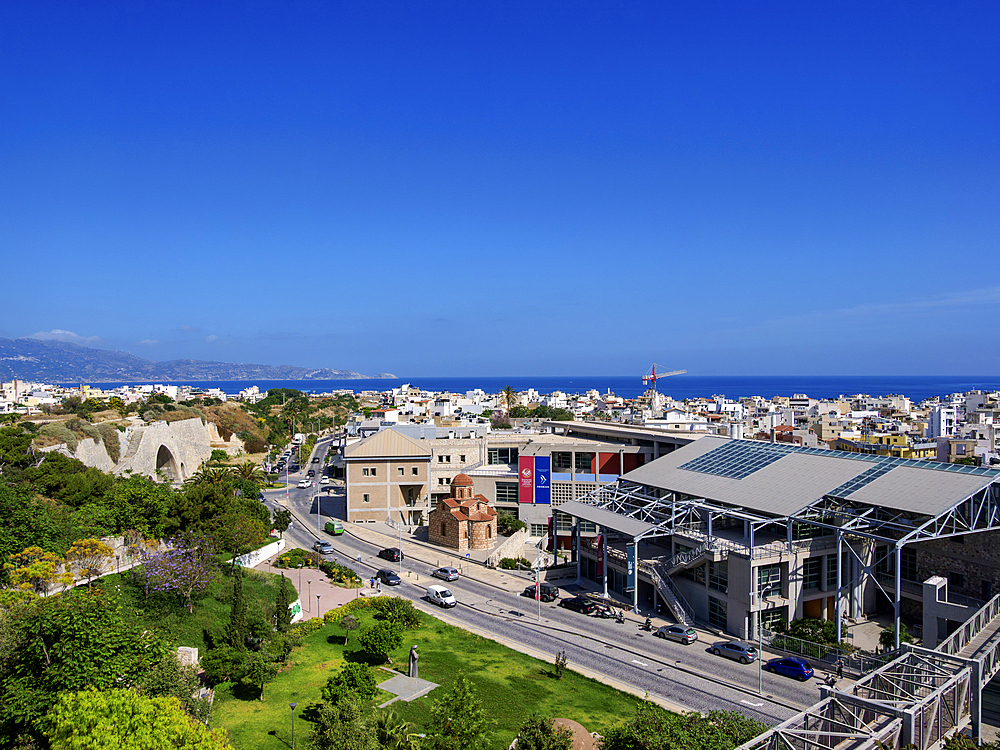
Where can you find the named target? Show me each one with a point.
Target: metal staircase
(678, 605)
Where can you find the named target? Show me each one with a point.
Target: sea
(679, 387)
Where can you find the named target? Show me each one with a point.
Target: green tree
(508, 523)
(539, 733)
(344, 725)
(281, 519)
(89, 557)
(36, 570)
(654, 728)
(283, 601)
(123, 719)
(222, 664)
(70, 642)
(249, 471)
(258, 669)
(509, 397)
(347, 624)
(168, 677)
(887, 638)
(355, 679)
(139, 503)
(458, 720)
(236, 630)
(381, 639)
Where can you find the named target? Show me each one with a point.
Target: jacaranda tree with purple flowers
(186, 567)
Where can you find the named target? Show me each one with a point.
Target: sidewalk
(310, 583)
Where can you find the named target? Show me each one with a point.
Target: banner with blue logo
(630, 567)
(543, 480)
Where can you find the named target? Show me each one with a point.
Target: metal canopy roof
(606, 519)
(782, 480)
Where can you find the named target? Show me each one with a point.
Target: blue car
(790, 666)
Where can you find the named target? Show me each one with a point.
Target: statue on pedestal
(413, 661)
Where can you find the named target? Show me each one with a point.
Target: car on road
(303, 483)
(324, 480)
(392, 554)
(579, 604)
(446, 574)
(323, 547)
(678, 633)
(311, 473)
(388, 577)
(294, 468)
(441, 596)
(334, 527)
(315, 460)
(738, 650)
(547, 592)
(790, 666)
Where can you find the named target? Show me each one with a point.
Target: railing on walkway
(971, 628)
(675, 601)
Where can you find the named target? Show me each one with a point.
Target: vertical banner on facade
(543, 480)
(525, 479)
(600, 555)
(630, 567)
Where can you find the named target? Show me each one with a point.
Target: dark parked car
(547, 592)
(388, 577)
(742, 652)
(446, 574)
(392, 554)
(323, 547)
(310, 473)
(790, 666)
(578, 604)
(678, 633)
(293, 468)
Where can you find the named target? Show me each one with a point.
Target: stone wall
(975, 558)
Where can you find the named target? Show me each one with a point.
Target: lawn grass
(511, 685)
(167, 613)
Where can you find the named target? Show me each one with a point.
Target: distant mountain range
(59, 362)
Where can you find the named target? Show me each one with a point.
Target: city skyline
(535, 190)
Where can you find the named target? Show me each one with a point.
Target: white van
(441, 596)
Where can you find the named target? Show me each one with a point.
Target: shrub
(508, 524)
(381, 639)
(340, 573)
(394, 609)
(60, 432)
(307, 627)
(353, 678)
(109, 436)
(354, 605)
(514, 563)
(295, 557)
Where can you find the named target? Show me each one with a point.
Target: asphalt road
(689, 676)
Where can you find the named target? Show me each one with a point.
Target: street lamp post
(292, 706)
(118, 564)
(309, 583)
(319, 612)
(300, 577)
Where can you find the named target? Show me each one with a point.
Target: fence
(856, 663)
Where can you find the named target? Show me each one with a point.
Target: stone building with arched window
(465, 520)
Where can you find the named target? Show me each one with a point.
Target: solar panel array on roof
(738, 459)
(866, 477)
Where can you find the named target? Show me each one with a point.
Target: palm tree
(249, 470)
(509, 396)
(208, 475)
(393, 733)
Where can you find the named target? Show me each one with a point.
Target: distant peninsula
(59, 362)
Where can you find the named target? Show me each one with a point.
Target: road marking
(640, 663)
(755, 705)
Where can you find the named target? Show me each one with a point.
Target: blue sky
(542, 188)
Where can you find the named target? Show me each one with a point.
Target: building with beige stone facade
(387, 479)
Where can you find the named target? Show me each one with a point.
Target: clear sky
(506, 188)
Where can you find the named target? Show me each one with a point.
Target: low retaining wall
(513, 547)
(253, 559)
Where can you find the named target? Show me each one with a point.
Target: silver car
(677, 633)
(446, 574)
(738, 650)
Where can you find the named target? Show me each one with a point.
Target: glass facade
(718, 576)
(812, 568)
(506, 492)
(769, 580)
(717, 613)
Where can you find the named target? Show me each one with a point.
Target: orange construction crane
(652, 376)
